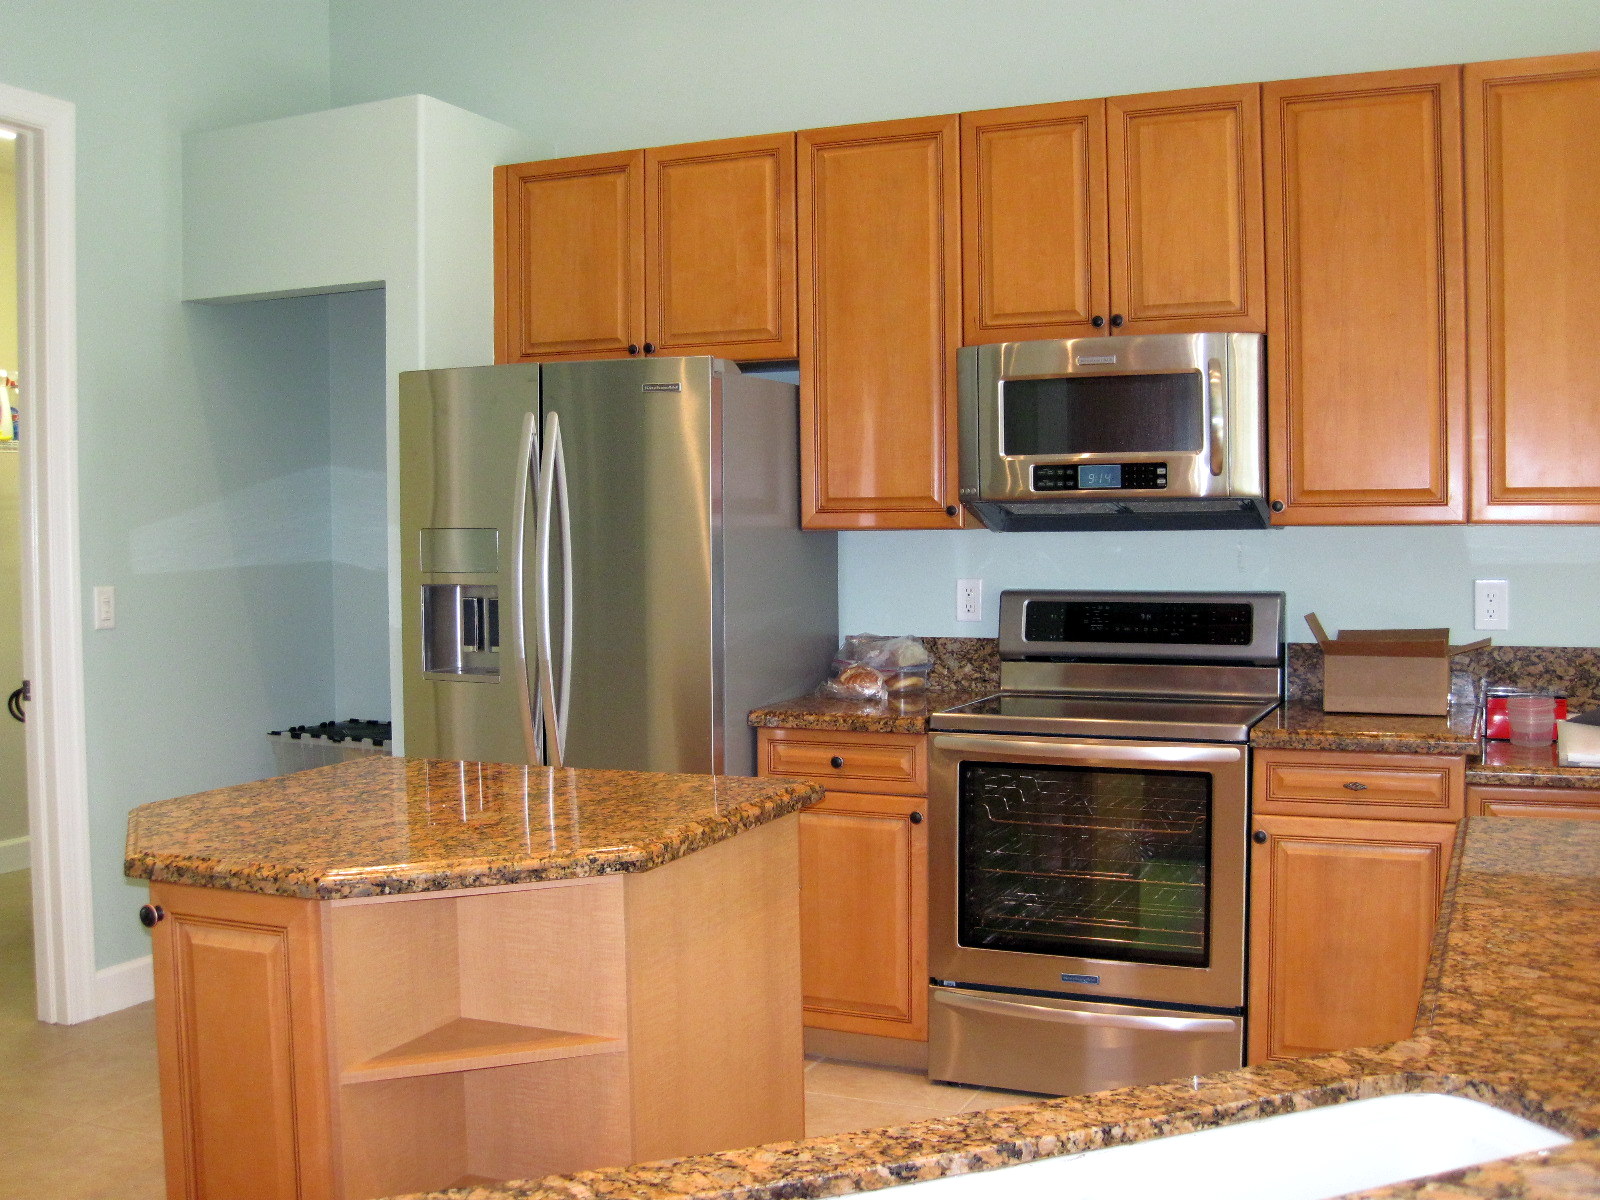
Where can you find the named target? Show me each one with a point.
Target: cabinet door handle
(1259, 837)
(836, 762)
(649, 347)
(150, 915)
(1355, 787)
(633, 348)
(916, 818)
(1097, 321)
(1116, 320)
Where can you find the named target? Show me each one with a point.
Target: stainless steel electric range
(1087, 879)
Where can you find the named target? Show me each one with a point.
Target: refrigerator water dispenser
(461, 630)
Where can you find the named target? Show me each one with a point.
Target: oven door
(1097, 868)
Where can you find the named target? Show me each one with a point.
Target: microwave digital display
(1100, 476)
(1103, 414)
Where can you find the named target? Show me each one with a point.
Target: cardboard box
(1387, 670)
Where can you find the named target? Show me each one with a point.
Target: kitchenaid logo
(1094, 979)
(1096, 360)
(663, 387)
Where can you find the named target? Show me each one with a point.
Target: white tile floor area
(82, 1115)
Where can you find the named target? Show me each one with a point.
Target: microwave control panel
(1075, 477)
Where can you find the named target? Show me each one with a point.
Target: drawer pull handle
(1356, 787)
(836, 762)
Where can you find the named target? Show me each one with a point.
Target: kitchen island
(1510, 1015)
(392, 975)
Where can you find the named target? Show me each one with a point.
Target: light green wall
(615, 74)
(188, 418)
(8, 256)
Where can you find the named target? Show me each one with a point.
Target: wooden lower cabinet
(1582, 804)
(864, 915)
(863, 877)
(1342, 919)
(348, 1049)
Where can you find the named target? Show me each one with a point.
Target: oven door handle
(1071, 1016)
(1072, 750)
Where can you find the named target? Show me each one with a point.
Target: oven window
(1088, 862)
(1102, 414)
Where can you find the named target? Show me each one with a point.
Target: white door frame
(52, 625)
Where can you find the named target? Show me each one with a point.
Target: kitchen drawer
(1327, 783)
(896, 763)
(1580, 804)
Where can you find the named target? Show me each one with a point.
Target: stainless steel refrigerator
(602, 564)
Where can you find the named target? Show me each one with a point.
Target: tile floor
(82, 1117)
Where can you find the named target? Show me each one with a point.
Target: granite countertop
(381, 826)
(1520, 1030)
(1300, 724)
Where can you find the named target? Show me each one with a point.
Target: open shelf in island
(468, 1044)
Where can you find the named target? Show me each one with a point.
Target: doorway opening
(45, 291)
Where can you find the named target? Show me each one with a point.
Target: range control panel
(1077, 477)
(1146, 622)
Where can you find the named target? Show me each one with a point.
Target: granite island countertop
(1520, 1030)
(383, 826)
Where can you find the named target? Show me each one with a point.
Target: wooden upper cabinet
(1533, 276)
(1183, 171)
(1366, 341)
(675, 250)
(569, 258)
(1033, 221)
(720, 276)
(1141, 212)
(880, 305)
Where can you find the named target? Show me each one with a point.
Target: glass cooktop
(1148, 718)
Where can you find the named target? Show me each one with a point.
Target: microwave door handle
(1071, 1016)
(1219, 424)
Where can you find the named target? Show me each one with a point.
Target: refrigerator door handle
(553, 495)
(527, 481)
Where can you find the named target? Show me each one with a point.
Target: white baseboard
(14, 854)
(124, 985)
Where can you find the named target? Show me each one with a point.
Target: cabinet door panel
(1533, 255)
(1342, 918)
(1183, 174)
(1366, 347)
(1033, 239)
(879, 324)
(720, 233)
(241, 1032)
(569, 257)
(863, 915)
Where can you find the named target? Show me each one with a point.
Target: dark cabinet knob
(649, 347)
(1116, 320)
(836, 762)
(1259, 837)
(916, 818)
(1277, 506)
(1097, 322)
(150, 914)
(632, 348)
(951, 510)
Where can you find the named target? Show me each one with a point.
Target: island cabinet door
(1341, 923)
(1366, 346)
(1533, 276)
(241, 1034)
(864, 914)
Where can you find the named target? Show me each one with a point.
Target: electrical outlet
(969, 599)
(1491, 604)
(105, 608)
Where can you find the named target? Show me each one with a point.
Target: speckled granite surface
(1520, 1029)
(857, 716)
(382, 826)
(1301, 724)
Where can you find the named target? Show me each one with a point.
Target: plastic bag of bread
(869, 666)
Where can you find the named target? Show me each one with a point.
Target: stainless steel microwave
(1154, 431)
